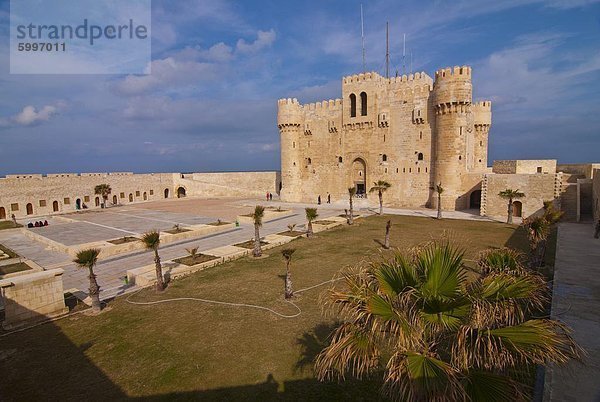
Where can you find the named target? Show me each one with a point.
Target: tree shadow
(312, 343)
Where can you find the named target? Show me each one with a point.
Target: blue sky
(219, 67)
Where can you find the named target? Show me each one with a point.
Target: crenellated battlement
(288, 101)
(331, 104)
(483, 105)
(362, 77)
(455, 72)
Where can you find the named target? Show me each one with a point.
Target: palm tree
(287, 255)
(351, 194)
(388, 226)
(437, 336)
(439, 190)
(291, 227)
(381, 187)
(103, 190)
(88, 259)
(151, 241)
(510, 195)
(193, 252)
(538, 228)
(259, 213)
(311, 215)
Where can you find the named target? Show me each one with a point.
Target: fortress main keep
(411, 131)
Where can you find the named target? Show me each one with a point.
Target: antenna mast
(362, 35)
(411, 70)
(387, 50)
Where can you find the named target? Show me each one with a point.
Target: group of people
(269, 196)
(328, 199)
(37, 224)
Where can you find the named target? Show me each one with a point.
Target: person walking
(328, 198)
(267, 196)
(319, 199)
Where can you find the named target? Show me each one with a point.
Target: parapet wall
(547, 166)
(230, 184)
(32, 298)
(583, 169)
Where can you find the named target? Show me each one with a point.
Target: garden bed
(12, 268)
(219, 223)
(8, 251)
(324, 222)
(250, 244)
(198, 259)
(123, 240)
(9, 225)
(177, 231)
(294, 233)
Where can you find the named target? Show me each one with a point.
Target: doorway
(29, 208)
(518, 209)
(475, 199)
(359, 177)
(145, 196)
(130, 197)
(114, 200)
(97, 201)
(55, 206)
(166, 193)
(2, 213)
(181, 192)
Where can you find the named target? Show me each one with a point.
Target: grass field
(191, 350)
(9, 225)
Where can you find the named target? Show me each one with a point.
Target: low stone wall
(229, 184)
(32, 298)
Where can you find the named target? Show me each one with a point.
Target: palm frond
(87, 258)
(441, 266)
(151, 239)
(483, 386)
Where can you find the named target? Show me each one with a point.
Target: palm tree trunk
(288, 282)
(351, 217)
(309, 232)
(439, 206)
(510, 211)
(380, 203)
(160, 283)
(386, 243)
(257, 252)
(94, 292)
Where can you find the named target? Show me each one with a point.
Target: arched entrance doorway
(166, 193)
(55, 206)
(130, 197)
(359, 177)
(475, 199)
(97, 201)
(180, 192)
(29, 209)
(145, 196)
(518, 209)
(2, 213)
(114, 200)
(78, 203)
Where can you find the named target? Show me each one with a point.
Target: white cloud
(30, 115)
(264, 39)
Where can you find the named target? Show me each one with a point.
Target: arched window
(384, 158)
(352, 105)
(420, 156)
(340, 159)
(363, 103)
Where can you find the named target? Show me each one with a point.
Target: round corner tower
(452, 99)
(290, 118)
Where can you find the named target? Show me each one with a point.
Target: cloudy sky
(219, 66)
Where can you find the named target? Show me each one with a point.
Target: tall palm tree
(88, 259)
(259, 213)
(287, 256)
(510, 195)
(437, 336)
(381, 187)
(351, 194)
(103, 190)
(311, 215)
(388, 227)
(439, 190)
(151, 241)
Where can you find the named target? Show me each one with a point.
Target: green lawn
(9, 225)
(191, 350)
(12, 268)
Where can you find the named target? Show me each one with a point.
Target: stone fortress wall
(411, 131)
(39, 195)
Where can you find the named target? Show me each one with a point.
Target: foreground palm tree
(388, 226)
(259, 213)
(538, 229)
(287, 256)
(510, 195)
(439, 190)
(351, 194)
(311, 215)
(436, 336)
(103, 190)
(151, 241)
(88, 259)
(381, 187)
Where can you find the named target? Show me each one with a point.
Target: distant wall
(229, 184)
(536, 187)
(524, 166)
(32, 298)
(583, 169)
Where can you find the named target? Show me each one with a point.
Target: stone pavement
(576, 301)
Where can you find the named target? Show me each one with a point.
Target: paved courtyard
(132, 220)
